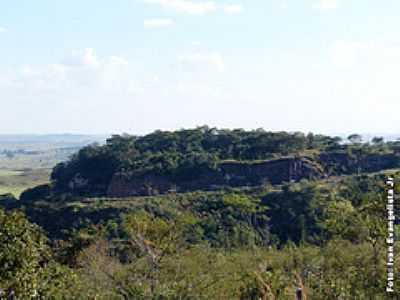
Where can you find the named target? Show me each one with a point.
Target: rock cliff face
(337, 163)
(227, 174)
(274, 171)
(376, 162)
(124, 185)
(237, 173)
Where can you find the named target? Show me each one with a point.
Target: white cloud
(117, 61)
(203, 59)
(364, 54)
(186, 6)
(233, 9)
(3, 29)
(82, 58)
(79, 70)
(157, 23)
(325, 5)
(117, 95)
(345, 53)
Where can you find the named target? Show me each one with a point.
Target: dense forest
(205, 213)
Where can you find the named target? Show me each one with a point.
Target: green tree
(377, 140)
(26, 265)
(354, 138)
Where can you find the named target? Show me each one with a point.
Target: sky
(134, 66)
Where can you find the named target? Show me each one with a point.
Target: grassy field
(42, 160)
(16, 181)
(26, 160)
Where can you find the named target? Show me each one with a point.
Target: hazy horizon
(103, 136)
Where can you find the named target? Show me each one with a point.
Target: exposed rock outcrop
(125, 184)
(230, 173)
(341, 162)
(273, 171)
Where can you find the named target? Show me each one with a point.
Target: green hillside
(244, 215)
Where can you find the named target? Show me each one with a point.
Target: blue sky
(329, 66)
